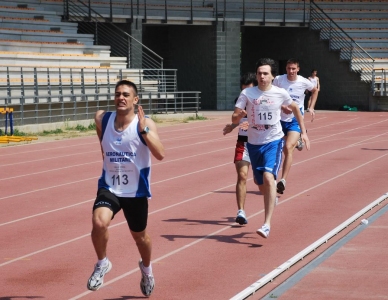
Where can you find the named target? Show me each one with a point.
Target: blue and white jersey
(295, 89)
(127, 162)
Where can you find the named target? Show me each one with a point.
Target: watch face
(146, 130)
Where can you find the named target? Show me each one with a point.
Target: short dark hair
(293, 61)
(267, 61)
(248, 78)
(128, 83)
(314, 70)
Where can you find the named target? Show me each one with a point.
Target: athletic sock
(147, 270)
(103, 262)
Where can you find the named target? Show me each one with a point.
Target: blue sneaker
(241, 218)
(263, 231)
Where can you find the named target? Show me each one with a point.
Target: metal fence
(46, 95)
(380, 82)
(360, 61)
(80, 107)
(107, 33)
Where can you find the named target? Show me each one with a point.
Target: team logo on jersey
(118, 141)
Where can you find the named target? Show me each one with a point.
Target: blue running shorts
(291, 126)
(265, 158)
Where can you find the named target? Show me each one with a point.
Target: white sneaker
(263, 231)
(97, 278)
(300, 144)
(281, 186)
(147, 282)
(241, 217)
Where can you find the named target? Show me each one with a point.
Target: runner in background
(241, 156)
(296, 86)
(262, 105)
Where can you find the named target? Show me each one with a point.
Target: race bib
(265, 115)
(243, 132)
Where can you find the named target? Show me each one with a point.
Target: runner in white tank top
(127, 140)
(295, 85)
(241, 155)
(127, 161)
(315, 80)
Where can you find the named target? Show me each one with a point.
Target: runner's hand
(312, 113)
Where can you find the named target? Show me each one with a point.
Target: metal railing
(45, 95)
(17, 83)
(359, 59)
(107, 33)
(380, 82)
(213, 10)
(79, 107)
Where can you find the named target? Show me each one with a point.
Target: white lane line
(23, 162)
(176, 204)
(66, 207)
(112, 226)
(223, 229)
(299, 256)
(51, 170)
(94, 178)
(46, 212)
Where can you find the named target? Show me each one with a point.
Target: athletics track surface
(47, 191)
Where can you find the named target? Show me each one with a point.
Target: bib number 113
(118, 180)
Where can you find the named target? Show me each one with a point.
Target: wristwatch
(146, 130)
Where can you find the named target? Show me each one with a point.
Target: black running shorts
(135, 209)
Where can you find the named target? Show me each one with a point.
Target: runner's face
(264, 76)
(292, 71)
(125, 98)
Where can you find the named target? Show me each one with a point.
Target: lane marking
(290, 262)
(305, 270)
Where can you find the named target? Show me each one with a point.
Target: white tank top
(314, 81)
(127, 161)
(296, 90)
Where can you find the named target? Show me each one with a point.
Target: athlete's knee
(101, 219)
(268, 179)
(140, 238)
(242, 177)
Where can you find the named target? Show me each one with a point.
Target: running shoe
(300, 144)
(147, 282)
(241, 217)
(263, 231)
(97, 278)
(281, 186)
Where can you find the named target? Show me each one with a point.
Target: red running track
(47, 191)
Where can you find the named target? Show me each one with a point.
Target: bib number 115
(265, 116)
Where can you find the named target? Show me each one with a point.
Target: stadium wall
(209, 59)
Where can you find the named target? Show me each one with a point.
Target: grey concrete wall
(208, 60)
(137, 33)
(192, 51)
(228, 64)
(339, 86)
